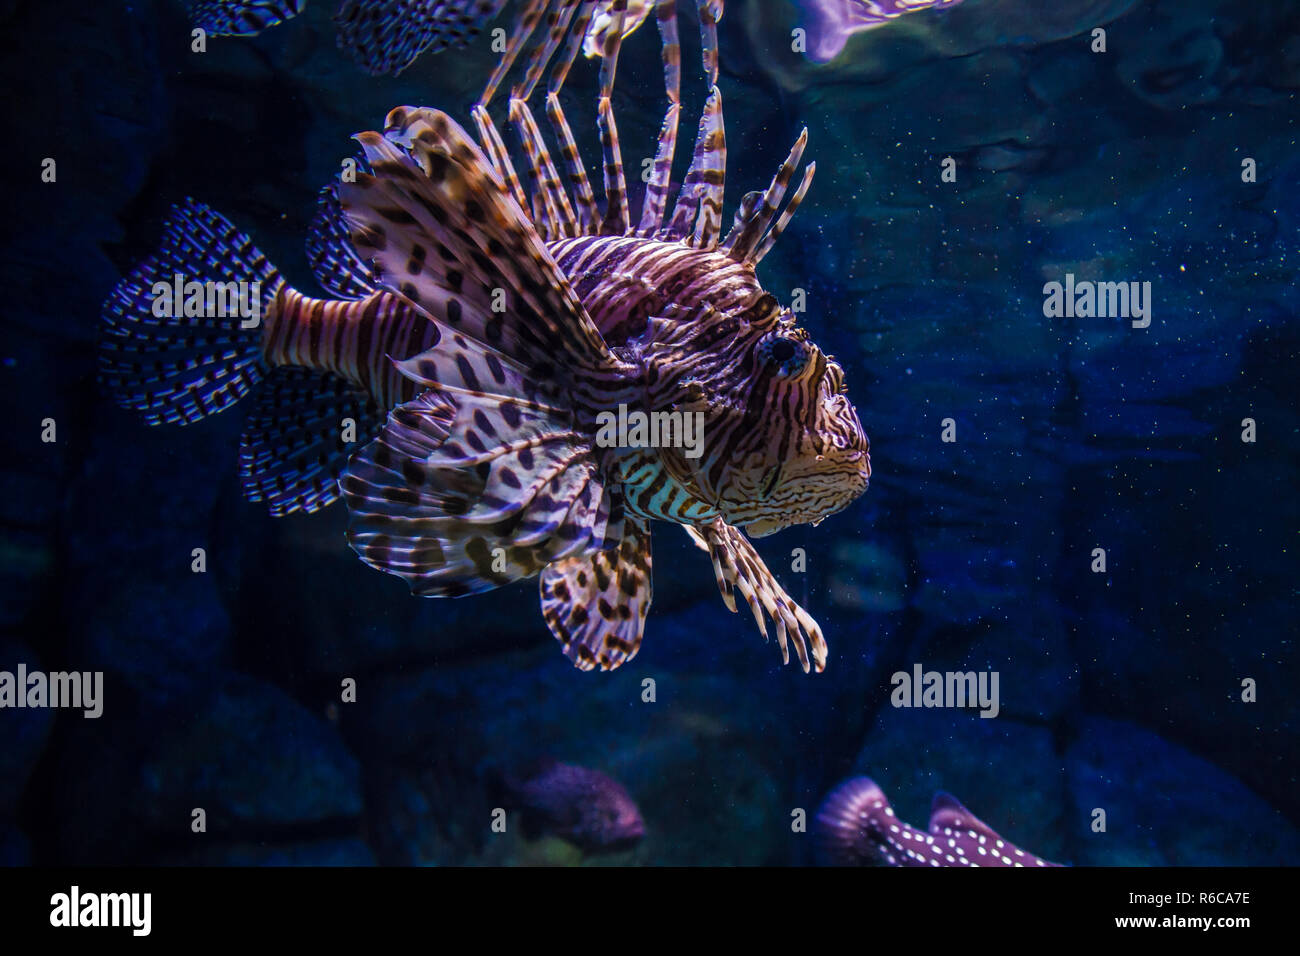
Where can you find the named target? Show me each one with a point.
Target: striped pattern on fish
(495, 314)
(382, 36)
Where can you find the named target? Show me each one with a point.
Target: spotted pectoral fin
(738, 567)
(440, 229)
(595, 604)
(297, 441)
(463, 492)
(948, 818)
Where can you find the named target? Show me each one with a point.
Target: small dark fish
(583, 806)
(856, 826)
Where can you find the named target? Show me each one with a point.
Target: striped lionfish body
(484, 327)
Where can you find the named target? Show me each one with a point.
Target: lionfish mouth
(788, 517)
(766, 526)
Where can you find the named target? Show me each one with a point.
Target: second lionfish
(481, 327)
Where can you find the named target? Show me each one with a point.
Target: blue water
(1160, 690)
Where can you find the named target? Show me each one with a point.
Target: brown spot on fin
(462, 492)
(596, 604)
(441, 230)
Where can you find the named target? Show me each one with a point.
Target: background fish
(856, 826)
(583, 806)
(830, 23)
(383, 36)
(498, 323)
(386, 36)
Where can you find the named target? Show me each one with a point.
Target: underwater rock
(1173, 72)
(245, 752)
(302, 772)
(700, 759)
(1165, 806)
(145, 612)
(335, 852)
(867, 577)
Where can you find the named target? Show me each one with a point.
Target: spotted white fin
(463, 492)
(440, 229)
(596, 604)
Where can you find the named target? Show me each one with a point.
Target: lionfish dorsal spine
(698, 212)
(742, 243)
(656, 194)
(558, 212)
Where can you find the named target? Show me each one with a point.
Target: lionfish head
(782, 442)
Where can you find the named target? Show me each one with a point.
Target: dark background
(1119, 690)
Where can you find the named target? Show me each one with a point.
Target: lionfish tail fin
(183, 331)
(242, 18)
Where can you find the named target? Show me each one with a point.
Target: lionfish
(856, 826)
(386, 36)
(495, 323)
(383, 36)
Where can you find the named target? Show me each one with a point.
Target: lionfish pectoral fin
(297, 441)
(738, 567)
(462, 492)
(242, 18)
(385, 36)
(595, 604)
(440, 229)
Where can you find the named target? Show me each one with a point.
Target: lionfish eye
(789, 353)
